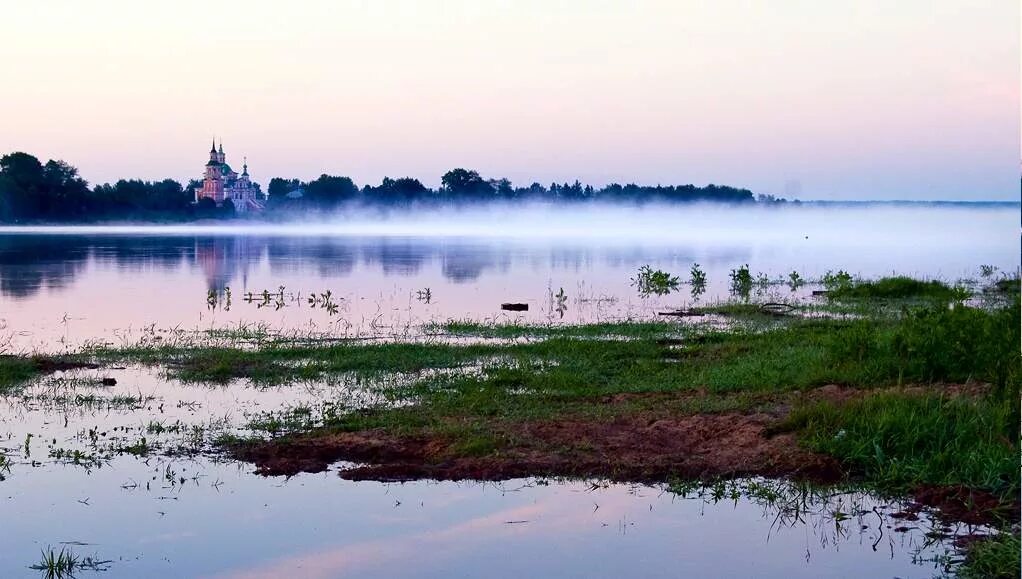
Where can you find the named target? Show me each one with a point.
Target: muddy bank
(648, 438)
(633, 448)
(640, 438)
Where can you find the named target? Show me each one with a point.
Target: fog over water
(78, 283)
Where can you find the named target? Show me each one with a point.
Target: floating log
(515, 307)
(820, 292)
(682, 314)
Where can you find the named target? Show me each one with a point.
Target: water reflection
(69, 286)
(32, 263)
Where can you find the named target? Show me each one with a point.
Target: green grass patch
(901, 439)
(897, 287)
(997, 557)
(636, 330)
(16, 371)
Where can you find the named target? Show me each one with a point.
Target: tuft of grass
(995, 557)
(16, 371)
(901, 439)
(936, 343)
(65, 564)
(897, 287)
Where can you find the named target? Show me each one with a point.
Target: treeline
(462, 186)
(31, 191)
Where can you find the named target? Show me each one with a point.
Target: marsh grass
(995, 557)
(518, 331)
(65, 564)
(897, 287)
(897, 439)
(16, 371)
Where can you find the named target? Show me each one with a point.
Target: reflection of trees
(463, 262)
(398, 256)
(331, 257)
(137, 253)
(29, 263)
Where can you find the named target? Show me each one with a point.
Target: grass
(891, 439)
(997, 557)
(897, 440)
(513, 331)
(16, 371)
(897, 287)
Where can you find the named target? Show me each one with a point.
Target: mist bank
(612, 223)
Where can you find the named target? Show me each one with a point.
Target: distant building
(221, 183)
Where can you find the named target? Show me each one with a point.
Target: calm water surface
(181, 512)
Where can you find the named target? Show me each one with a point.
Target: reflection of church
(220, 183)
(221, 259)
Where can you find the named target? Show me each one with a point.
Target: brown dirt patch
(638, 437)
(645, 441)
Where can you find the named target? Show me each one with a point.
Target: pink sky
(854, 100)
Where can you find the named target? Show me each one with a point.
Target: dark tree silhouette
(31, 191)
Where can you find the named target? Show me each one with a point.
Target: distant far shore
(36, 193)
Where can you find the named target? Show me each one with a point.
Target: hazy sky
(860, 99)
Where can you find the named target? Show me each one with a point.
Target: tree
(23, 169)
(23, 177)
(205, 208)
(502, 188)
(279, 188)
(461, 184)
(329, 191)
(404, 190)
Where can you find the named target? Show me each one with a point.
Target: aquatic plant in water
(697, 278)
(654, 282)
(741, 281)
(795, 281)
(560, 302)
(64, 563)
(836, 281)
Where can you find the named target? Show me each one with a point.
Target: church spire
(213, 148)
(244, 166)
